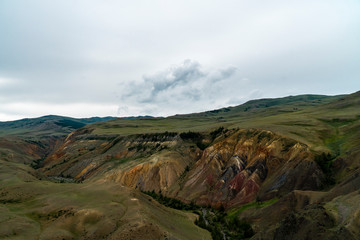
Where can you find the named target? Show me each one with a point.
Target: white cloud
(182, 88)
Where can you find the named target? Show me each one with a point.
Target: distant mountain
(284, 104)
(139, 117)
(46, 125)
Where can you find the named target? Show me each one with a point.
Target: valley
(289, 167)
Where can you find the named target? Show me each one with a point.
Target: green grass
(119, 161)
(235, 212)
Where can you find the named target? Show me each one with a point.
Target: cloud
(175, 76)
(180, 88)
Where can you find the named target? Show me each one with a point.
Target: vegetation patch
(324, 161)
(36, 164)
(70, 123)
(214, 134)
(202, 145)
(171, 202)
(195, 137)
(264, 136)
(119, 161)
(217, 222)
(338, 122)
(258, 204)
(190, 135)
(288, 145)
(222, 227)
(334, 144)
(158, 137)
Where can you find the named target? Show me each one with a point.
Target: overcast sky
(85, 58)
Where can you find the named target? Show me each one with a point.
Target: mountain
(288, 166)
(137, 117)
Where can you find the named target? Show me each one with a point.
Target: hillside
(288, 166)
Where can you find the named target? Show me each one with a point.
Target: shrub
(190, 135)
(216, 132)
(202, 145)
(324, 161)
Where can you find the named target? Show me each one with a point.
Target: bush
(190, 135)
(216, 132)
(171, 202)
(202, 145)
(324, 161)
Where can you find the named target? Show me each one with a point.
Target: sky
(84, 58)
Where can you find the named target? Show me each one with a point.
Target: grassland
(34, 209)
(319, 121)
